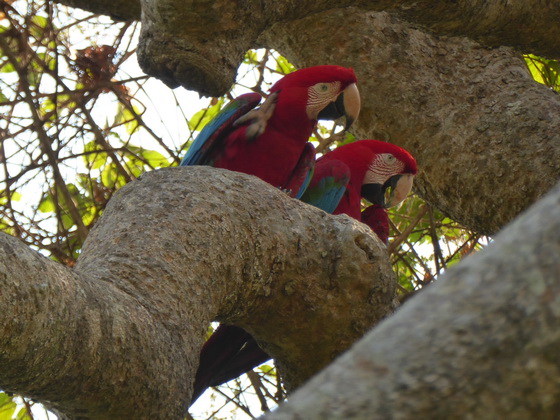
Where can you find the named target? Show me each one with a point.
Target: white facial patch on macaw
(382, 167)
(319, 96)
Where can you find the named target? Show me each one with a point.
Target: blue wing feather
(206, 146)
(327, 185)
(302, 173)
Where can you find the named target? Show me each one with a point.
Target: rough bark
(117, 9)
(200, 45)
(119, 335)
(480, 343)
(529, 26)
(485, 134)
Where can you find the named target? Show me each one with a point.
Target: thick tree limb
(117, 9)
(204, 41)
(120, 334)
(482, 342)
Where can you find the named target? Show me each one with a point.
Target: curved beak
(347, 104)
(391, 193)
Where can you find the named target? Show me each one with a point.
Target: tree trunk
(121, 333)
(480, 343)
(529, 26)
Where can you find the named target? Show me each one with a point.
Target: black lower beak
(334, 110)
(347, 105)
(375, 193)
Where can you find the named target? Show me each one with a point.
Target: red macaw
(270, 142)
(369, 169)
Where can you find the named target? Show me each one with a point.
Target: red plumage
(376, 217)
(273, 155)
(369, 160)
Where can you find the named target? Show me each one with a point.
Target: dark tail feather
(227, 354)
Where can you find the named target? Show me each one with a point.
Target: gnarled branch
(121, 332)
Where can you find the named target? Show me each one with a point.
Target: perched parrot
(270, 142)
(369, 169)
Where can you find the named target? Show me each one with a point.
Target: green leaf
(67, 221)
(7, 406)
(34, 74)
(37, 28)
(544, 71)
(89, 215)
(15, 196)
(283, 66)
(94, 160)
(6, 227)
(109, 177)
(204, 116)
(23, 414)
(251, 58)
(155, 159)
(48, 59)
(4, 398)
(47, 205)
(6, 67)
(128, 118)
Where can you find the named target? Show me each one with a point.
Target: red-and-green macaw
(380, 172)
(369, 169)
(270, 142)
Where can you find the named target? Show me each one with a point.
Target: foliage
(544, 71)
(14, 407)
(79, 123)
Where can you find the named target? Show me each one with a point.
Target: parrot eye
(321, 89)
(389, 158)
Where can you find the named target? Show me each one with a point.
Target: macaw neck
(357, 159)
(290, 117)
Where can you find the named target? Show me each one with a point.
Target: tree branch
(177, 248)
(193, 31)
(484, 343)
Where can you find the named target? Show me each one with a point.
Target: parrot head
(320, 93)
(382, 172)
(389, 174)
